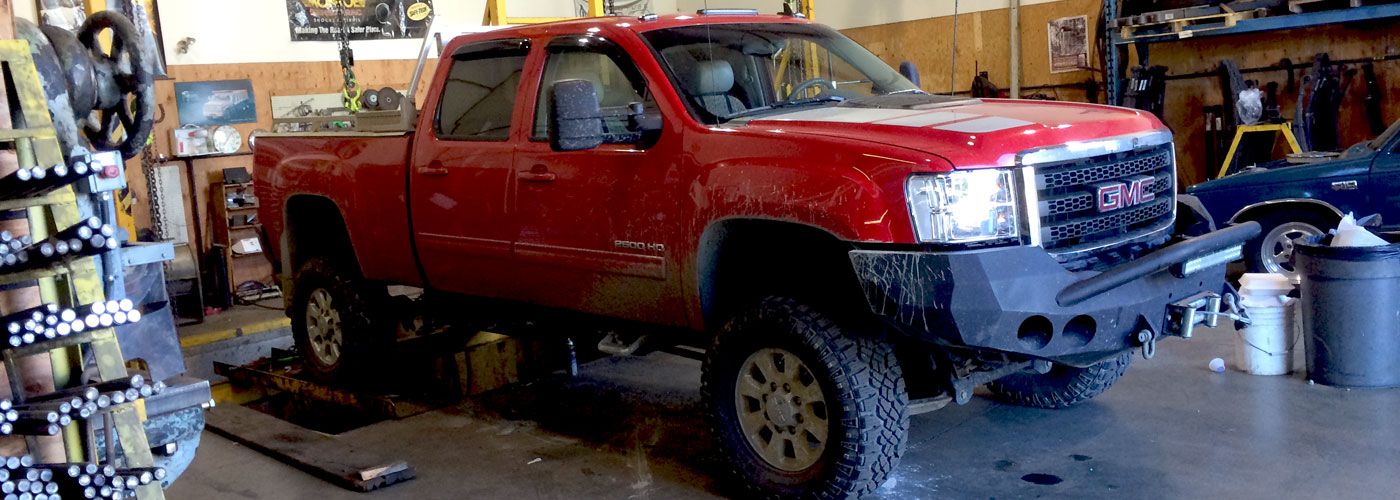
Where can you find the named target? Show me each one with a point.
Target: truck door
(599, 228)
(1385, 182)
(461, 171)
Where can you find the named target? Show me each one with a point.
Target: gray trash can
(1351, 313)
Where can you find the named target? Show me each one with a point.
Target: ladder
(70, 283)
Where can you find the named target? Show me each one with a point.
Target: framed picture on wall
(224, 102)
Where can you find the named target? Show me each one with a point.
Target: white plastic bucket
(1265, 347)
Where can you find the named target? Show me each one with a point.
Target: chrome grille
(1069, 218)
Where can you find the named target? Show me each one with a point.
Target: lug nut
(792, 429)
(773, 386)
(798, 417)
(797, 400)
(787, 388)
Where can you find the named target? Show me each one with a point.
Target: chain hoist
(350, 92)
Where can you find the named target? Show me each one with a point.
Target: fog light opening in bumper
(1035, 332)
(1080, 330)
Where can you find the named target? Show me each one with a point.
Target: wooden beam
(7, 19)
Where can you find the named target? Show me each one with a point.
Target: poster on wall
(1069, 44)
(66, 14)
(215, 103)
(316, 20)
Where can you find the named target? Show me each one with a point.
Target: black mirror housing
(575, 117)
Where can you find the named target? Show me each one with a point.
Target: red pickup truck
(845, 247)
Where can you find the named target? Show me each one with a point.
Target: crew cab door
(461, 171)
(599, 228)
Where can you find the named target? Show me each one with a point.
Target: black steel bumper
(1021, 300)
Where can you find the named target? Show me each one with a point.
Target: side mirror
(910, 71)
(575, 117)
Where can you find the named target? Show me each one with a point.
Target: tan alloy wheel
(323, 327)
(781, 410)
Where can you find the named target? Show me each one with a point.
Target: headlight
(957, 207)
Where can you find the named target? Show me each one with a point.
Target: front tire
(802, 408)
(1270, 252)
(334, 321)
(1063, 386)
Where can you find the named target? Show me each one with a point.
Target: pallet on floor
(338, 461)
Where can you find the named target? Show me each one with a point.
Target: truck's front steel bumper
(1013, 299)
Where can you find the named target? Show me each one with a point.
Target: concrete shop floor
(630, 428)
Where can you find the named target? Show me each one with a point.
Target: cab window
(615, 78)
(479, 94)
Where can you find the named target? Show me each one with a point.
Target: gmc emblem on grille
(1110, 196)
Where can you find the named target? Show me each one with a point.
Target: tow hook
(1205, 308)
(1148, 341)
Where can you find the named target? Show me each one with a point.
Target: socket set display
(90, 237)
(49, 414)
(40, 180)
(49, 321)
(21, 478)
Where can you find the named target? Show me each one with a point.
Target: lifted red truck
(846, 247)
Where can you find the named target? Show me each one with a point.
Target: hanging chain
(350, 91)
(154, 188)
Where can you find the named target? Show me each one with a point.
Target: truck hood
(969, 133)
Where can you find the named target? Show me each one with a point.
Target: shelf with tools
(1228, 23)
(235, 220)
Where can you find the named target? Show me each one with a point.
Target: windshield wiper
(786, 104)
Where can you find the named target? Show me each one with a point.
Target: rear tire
(335, 321)
(1063, 386)
(841, 441)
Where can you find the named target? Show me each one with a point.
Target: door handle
(538, 173)
(434, 168)
(1344, 186)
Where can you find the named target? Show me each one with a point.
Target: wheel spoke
(748, 387)
(752, 421)
(809, 393)
(801, 451)
(816, 428)
(767, 368)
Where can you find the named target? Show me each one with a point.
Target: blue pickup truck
(1292, 201)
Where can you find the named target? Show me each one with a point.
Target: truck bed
(363, 174)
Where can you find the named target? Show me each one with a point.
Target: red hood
(970, 133)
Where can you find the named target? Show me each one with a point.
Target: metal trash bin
(1351, 313)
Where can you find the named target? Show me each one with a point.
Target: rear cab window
(478, 97)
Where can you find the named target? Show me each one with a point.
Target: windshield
(1380, 140)
(725, 71)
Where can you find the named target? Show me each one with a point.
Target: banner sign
(317, 20)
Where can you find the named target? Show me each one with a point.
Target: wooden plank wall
(1186, 97)
(268, 79)
(983, 41)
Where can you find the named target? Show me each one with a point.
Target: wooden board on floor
(343, 463)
